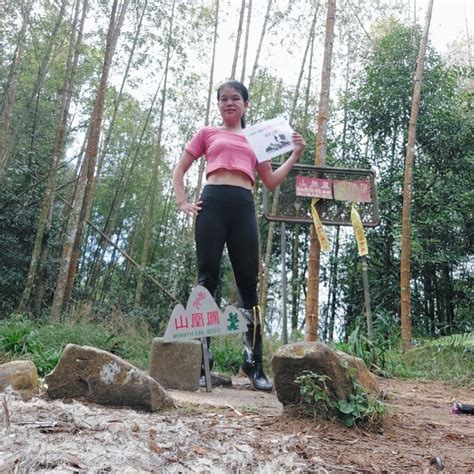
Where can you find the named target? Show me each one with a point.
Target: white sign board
(202, 318)
(270, 138)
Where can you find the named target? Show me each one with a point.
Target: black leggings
(228, 217)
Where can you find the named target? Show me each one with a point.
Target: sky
(448, 21)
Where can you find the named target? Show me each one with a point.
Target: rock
(21, 376)
(291, 360)
(176, 365)
(362, 375)
(106, 379)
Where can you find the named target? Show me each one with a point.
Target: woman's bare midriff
(232, 178)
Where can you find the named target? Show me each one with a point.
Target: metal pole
(207, 370)
(368, 311)
(284, 332)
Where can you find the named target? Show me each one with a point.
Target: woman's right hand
(190, 208)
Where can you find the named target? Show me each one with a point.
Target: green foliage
(360, 409)
(449, 343)
(360, 346)
(43, 343)
(449, 358)
(314, 392)
(227, 351)
(377, 104)
(386, 329)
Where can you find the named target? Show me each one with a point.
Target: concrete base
(176, 365)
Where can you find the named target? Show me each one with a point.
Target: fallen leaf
(200, 450)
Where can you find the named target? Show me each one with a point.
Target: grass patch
(449, 359)
(43, 343)
(227, 352)
(454, 365)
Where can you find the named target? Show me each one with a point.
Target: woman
(226, 211)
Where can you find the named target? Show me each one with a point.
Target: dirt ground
(237, 430)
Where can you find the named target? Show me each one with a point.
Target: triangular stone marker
(202, 318)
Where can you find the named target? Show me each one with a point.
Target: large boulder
(104, 378)
(176, 364)
(292, 360)
(20, 376)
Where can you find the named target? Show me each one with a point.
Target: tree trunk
(300, 76)
(259, 47)
(246, 42)
(269, 242)
(121, 188)
(42, 72)
(197, 192)
(118, 100)
(126, 166)
(333, 290)
(92, 148)
(11, 90)
(276, 194)
(154, 178)
(405, 300)
(45, 217)
(237, 41)
(295, 279)
(312, 301)
(308, 83)
(83, 197)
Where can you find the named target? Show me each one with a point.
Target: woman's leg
(210, 235)
(243, 248)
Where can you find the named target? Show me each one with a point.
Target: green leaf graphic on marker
(233, 322)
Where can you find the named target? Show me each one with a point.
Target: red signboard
(313, 187)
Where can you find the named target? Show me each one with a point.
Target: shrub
(227, 352)
(361, 408)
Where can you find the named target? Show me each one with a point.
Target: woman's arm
(271, 179)
(179, 171)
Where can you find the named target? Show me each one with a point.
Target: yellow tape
(359, 232)
(320, 232)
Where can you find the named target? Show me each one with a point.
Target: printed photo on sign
(270, 138)
(313, 187)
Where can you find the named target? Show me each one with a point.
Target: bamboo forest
(98, 99)
(236, 236)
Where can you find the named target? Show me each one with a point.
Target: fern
(453, 342)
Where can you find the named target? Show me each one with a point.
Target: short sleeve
(196, 146)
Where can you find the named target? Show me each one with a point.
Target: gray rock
(176, 365)
(362, 375)
(106, 379)
(292, 359)
(21, 376)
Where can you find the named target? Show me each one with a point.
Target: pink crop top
(223, 150)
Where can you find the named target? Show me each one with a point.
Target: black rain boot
(252, 365)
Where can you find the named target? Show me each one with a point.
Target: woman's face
(231, 105)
